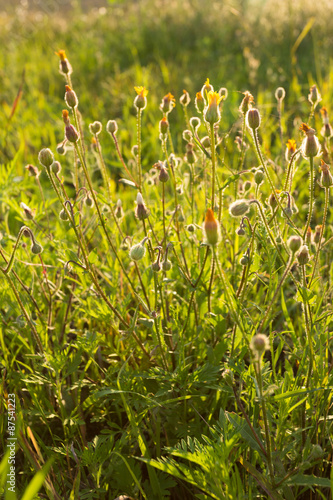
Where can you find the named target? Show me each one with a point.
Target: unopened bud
(71, 98)
(36, 248)
(63, 215)
(246, 103)
(259, 344)
(27, 211)
(185, 98)
(56, 167)
(294, 243)
(303, 255)
(138, 251)
(211, 228)
(253, 119)
(310, 145)
(168, 103)
(61, 148)
(46, 157)
(141, 211)
(33, 171)
(199, 102)
(314, 95)
(64, 67)
(326, 179)
(95, 128)
(239, 208)
(316, 236)
(259, 176)
(164, 126)
(111, 127)
(140, 102)
(212, 112)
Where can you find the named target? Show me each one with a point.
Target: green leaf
(305, 295)
(37, 482)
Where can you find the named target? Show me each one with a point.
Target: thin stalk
(24, 311)
(212, 146)
(327, 196)
(258, 150)
(122, 159)
(285, 274)
(311, 196)
(138, 157)
(264, 414)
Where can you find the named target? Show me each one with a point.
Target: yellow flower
(212, 112)
(141, 91)
(62, 55)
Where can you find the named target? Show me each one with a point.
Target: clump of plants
(168, 333)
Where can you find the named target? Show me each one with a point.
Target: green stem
(311, 196)
(212, 144)
(327, 196)
(138, 122)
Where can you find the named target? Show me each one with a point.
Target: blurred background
(165, 45)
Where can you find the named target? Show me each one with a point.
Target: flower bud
(191, 228)
(180, 216)
(46, 157)
(36, 248)
(308, 236)
(223, 92)
(212, 112)
(185, 98)
(291, 149)
(310, 145)
(88, 201)
(244, 260)
(71, 97)
(141, 211)
(205, 141)
(326, 179)
(253, 119)
(95, 128)
(240, 231)
(314, 95)
(164, 126)
(294, 243)
(166, 265)
(29, 214)
(63, 215)
(112, 127)
(64, 67)
(303, 255)
(272, 201)
(119, 212)
(168, 103)
(195, 122)
(259, 176)
(246, 103)
(190, 155)
(140, 102)
(259, 344)
(56, 167)
(211, 228)
(33, 171)
(187, 135)
(207, 87)
(280, 94)
(239, 208)
(199, 102)
(247, 185)
(138, 251)
(71, 133)
(61, 148)
(316, 236)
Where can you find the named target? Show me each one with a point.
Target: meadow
(165, 251)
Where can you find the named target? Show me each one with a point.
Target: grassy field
(166, 279)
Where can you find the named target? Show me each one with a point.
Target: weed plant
(166, 324)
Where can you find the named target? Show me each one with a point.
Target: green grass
(131, 382)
